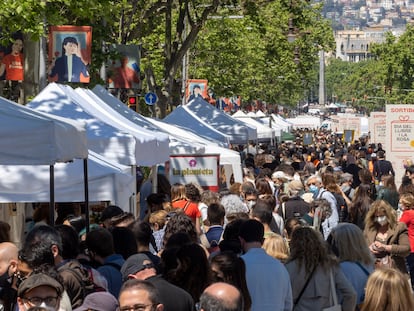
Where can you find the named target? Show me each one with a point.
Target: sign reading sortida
(399, 137)
(201, 169)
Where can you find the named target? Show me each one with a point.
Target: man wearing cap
(39, 289)
(279, 181)
(173, 298)
(108, 213)
(267, 278)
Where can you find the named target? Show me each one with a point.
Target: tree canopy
(249, 56)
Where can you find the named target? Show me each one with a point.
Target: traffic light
(132, 102)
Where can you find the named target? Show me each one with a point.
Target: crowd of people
(319, 227)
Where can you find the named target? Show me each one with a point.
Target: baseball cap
(281, 175)
(99, 301)
(134, 264)
(36, 280)
(110, 211)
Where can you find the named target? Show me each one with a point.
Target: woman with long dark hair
(388, 191)
(313, 272)
(229, 268)
(360, 205)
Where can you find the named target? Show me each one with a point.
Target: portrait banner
(69, 53)
(124, 71)
(195, 88)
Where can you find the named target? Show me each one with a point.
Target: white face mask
(381, 220)
(250, 204)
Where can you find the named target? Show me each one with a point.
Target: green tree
(252, 56)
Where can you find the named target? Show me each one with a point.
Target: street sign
(150, 98)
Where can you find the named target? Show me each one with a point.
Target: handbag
(333, 297)
(303, 288)
(385, 262)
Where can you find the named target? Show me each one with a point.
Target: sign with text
(349, 136)
(399, 137)
(377, 128)
(307, 139)
(201, 169)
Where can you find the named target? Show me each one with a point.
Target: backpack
(85, 276)
(341, 206)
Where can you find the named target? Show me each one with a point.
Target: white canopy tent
(229, 158)
(108, 181)
(264, 133)
(268, 121)
(187, 119)
(103, 139)
(285, 124)
(36, 138)
(125, 115)
(150, 149)
(29, 137)
(239, 132)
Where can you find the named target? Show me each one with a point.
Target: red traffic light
(132, 100)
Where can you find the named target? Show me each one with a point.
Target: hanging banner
(195, 88)
(124, 71)
(377, 128)
(69, 53)
(349, 136)
(399, 137)
(200, 169)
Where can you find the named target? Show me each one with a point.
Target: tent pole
(52, 195)
(133, 200)
(154, 179)
(85, 178)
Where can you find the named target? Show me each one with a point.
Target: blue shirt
(112, 273)
(268, 282)
(357, 277)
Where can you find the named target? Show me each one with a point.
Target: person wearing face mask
(8, 266)
(387, 238)
(312, 187)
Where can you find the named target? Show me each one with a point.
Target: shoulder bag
(303, 288)
(333, 297)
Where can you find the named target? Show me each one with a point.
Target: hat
(134, 264)
(295, 185)
(280, 175)
(110, 211)
(36, 280)
(100, 301)
(373, 155)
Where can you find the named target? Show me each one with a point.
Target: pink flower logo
(193, 163)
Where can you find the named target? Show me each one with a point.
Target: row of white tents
(62, 127)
